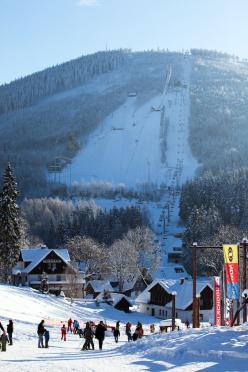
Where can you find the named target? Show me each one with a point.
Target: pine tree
(10, 230)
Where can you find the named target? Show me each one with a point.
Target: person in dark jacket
(116, 334)
(10, 330)
(88, 335)
(40, 332)
(3, 340)
(47, 337)
(100, 333)
(128, 331)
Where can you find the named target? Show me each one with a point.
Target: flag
(232, 270)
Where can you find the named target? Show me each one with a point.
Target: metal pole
(238, 318)
(244, 276)
(198, 311)
(194, 284)
(173, 315)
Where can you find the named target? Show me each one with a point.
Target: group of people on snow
(90, 332)
(6, 337)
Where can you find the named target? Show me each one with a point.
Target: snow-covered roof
(101, 285)
(31, 254)
(183, 291)
(175, 271)
(114, 297)
(36, 255)
(129, 284)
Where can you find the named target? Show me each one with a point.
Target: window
(159, 312)
(166, 313)
(179, 270)
(176, 315)
(51, 266)
(147, 309)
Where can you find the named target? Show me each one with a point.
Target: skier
(75, 326)
(139, 330)
(10, 330)
(88, 335)
(152, 328)
(69, 328)
(63, 333)
(47, 337)
(4, 339)
(40, 332)
(186, 323)
(116, 334)
(135, 335)
(100, 333)
(128, 331)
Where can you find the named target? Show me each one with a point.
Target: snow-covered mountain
(140, 142)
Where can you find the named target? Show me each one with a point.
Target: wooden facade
(159, 296)
(123, 305)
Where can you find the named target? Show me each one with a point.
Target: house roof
(183, 291)
(36, 255)
(115, 298)
(174, 271)
(101, 285)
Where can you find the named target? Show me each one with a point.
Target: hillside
(188, 350)
(53, 119)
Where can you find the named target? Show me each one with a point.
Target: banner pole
(244, 242)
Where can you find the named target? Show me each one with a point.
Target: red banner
(217, 302)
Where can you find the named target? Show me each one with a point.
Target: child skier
(4, 339)
(63, 333)
(47, 337)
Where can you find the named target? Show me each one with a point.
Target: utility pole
(244, 243)
(173, 315)
(198, 310)
(194, 313)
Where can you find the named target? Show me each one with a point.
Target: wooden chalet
(156, 300)
(118, 300)
(54, 264)
(95, 287)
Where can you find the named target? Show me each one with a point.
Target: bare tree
(74, 282)
(143, 241)
(123, 261)
(211, 260)
(92, 254)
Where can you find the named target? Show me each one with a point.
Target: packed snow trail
(124, 148)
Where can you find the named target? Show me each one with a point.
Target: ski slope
(126, 146)
(212, 349)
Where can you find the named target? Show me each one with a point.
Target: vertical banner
(232, 270)
(217, 301)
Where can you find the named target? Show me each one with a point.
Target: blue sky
(35, 34)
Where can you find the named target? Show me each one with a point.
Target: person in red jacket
(69, 328)
(63, 333)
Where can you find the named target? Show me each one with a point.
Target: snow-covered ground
(210, 349)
